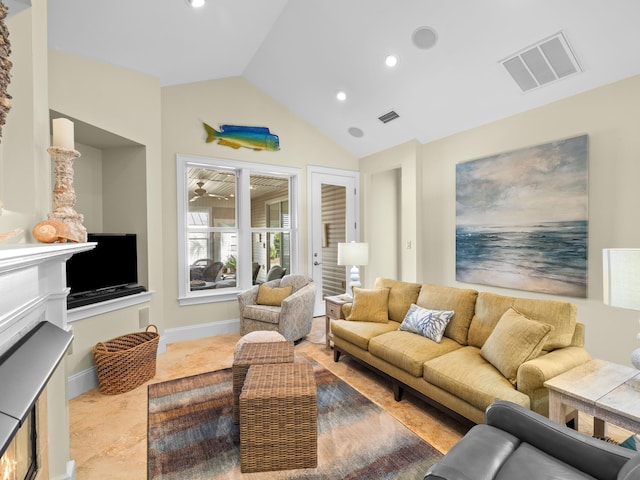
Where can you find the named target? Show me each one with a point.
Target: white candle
(63, 133)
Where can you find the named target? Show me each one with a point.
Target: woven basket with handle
(126, 362)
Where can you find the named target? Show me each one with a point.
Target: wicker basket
(126, 362)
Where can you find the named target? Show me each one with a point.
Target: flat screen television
(110, 270)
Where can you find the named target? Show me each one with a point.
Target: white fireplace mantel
(33, 289)
(32, 281)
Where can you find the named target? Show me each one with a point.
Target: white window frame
(243, 172)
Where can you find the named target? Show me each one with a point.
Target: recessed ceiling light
(341, 95)
(391, 61)
(196, 3)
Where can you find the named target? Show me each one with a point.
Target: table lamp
(621, 282)
(355, 254)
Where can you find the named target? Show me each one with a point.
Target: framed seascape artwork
(522, 219)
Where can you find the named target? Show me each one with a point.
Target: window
(277, 237)
(236, 222)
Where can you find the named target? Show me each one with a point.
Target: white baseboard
(81, 382)
(85, 380)
(70, 474)
(71, 470)
(201, 330)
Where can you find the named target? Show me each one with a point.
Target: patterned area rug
(192, 435)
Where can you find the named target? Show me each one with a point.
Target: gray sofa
(518, 444)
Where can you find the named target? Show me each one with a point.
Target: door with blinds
(333, 207)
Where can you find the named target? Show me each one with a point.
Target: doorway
(334, 217)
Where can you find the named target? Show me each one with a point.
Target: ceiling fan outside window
(201, 192)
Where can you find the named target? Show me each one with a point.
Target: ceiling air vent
(545, 62)
(387, 117)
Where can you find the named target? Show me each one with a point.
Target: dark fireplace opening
(20, 460)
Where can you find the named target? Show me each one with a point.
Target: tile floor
(109, 433)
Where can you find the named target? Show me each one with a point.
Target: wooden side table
(609, 392)
(333, 310)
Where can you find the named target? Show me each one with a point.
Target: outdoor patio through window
(238, 224)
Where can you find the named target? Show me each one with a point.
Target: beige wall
(25, 165)
(384, 243)
(231, 101)
(402, 163)
(125, 190)
(127, 104)
(610, 116)
(87, 182)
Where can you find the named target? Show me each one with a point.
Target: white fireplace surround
(33, 289)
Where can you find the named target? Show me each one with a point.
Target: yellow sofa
(493, 346)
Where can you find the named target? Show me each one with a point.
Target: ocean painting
(522, 219)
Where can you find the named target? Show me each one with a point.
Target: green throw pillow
(272, 296)
(515, 340)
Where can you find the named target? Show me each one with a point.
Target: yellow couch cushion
(461, 301)
(272, 296)
(262, 313)
(408, 351)
(515, 340)
(490, 307)
(370, 305)
(465, 374)
(401, 296)
(360, 333)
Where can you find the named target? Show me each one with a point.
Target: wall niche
(110, 179)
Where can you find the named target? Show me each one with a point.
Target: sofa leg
(336, 355)
(397, 392)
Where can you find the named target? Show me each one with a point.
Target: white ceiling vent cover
(545, 62)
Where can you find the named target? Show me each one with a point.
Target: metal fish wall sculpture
(236, 136)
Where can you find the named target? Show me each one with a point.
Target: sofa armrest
(304, 296)
(478, 456)
(296, 312)
(599, 459)
(248, 297)
(631, 470)
(533, 374)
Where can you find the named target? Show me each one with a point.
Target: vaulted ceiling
(302, 52)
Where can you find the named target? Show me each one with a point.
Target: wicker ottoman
(256, 354)
(279, 418)
(258, 336)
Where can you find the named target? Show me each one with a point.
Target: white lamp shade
(621, 277)
(353, 253)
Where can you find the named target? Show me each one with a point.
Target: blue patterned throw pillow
(428, 323)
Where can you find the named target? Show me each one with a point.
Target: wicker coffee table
(279, 418)
(256, 354)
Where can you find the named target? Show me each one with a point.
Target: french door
(334, 217)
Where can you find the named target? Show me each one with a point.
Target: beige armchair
(293, 318)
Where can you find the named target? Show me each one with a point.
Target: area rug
(191, 434)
